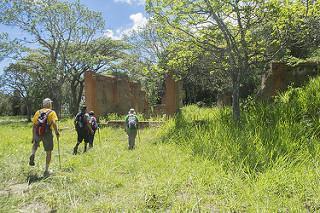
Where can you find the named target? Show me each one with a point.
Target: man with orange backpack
(44, 121)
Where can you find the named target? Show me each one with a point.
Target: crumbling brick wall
(281, 76)
(110, 94)
(172, 99)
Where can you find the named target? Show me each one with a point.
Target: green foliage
(286, 131)
(229, 37)
(142, 64)
(5, 104)
(57, 27)
(154, 177)
(6, 47)
(200, 160)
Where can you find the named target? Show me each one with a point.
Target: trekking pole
(59, 152)
(59, 147)
(99, 135)
(139, 136)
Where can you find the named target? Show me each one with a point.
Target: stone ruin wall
(278, 79)
(172, 99)
(110, 94)
(281, 76)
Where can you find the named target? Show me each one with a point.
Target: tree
(31, 78)
(53, 26)
(96, 55)
(3, 46)
(147, 48)
(7, 47)
(5, 104)
(195, 67)
(16, 80)
(242, 36)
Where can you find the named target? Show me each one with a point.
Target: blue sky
(121, 17)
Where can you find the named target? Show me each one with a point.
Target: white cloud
(111, 34)
(138, 21)
(131, 2)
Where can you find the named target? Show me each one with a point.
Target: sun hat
(131, 111)
(46, 101)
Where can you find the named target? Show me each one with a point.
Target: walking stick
(139, 136)
(59, 152)
(59, 147)
(99, 135)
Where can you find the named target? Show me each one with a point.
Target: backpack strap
(78, 117)
(47, 114)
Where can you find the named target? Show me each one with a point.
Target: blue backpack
(132, 122)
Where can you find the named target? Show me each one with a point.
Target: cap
(46, 101)
(91, 113)
(131, 111)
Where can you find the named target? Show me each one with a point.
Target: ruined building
(110, 94)
(281, 76)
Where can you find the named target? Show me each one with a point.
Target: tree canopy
(213, 46)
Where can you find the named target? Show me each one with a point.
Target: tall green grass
(286, 131)
(141, 117)
(199, 161)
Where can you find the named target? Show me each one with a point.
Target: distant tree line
(213, 46)
(64, 41)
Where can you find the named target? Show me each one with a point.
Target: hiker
(131, 127)
(94, 126)
(44, 121)
(83, 128)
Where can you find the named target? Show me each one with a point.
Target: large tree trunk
(57, 104)
(236, 96)
(76, 95)
(74, 106)
(29, 110)
(56, 95)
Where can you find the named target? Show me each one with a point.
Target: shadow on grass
(33, 178)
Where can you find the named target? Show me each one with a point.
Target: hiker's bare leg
(34, 148)
(48, 159)
(33, 152)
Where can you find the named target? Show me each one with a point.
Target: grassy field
(155, 176)
(109, 177)
(199, 161)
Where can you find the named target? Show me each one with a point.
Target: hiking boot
(31, 160)
(75, 150)
(47, 173)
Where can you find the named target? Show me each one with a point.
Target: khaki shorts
(47, 141)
